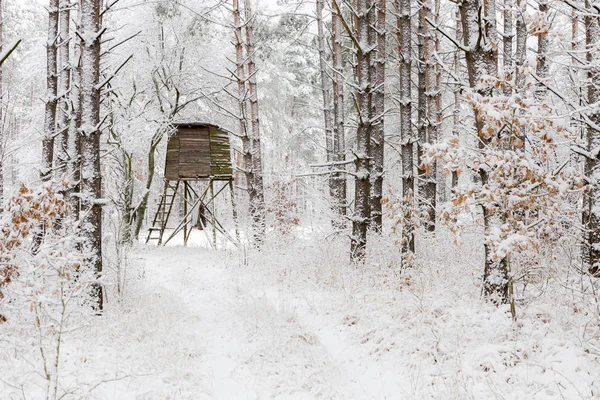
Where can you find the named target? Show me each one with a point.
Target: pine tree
(404, 25)
(91, 190)
(591, 197)
(378, 133)
(51, 91)
(339, 141)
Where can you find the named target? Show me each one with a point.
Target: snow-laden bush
(44, 290)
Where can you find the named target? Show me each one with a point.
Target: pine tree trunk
(426, 83)
(51, 92)
(481, 62)
(74, 137)
(90, 31)
(339, 141)
(2, 132)
(457, 90)
(65, 114)
(591, 198)
(258, 203)
(408, 183)
(325, 97)
(377, 136)
(365, 42)
(433, 115)
(240, 76)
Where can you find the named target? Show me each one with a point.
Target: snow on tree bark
(521, 45)
(2, 137)
(591, 198)
(365, 43)
(377, 135)
(481, 62)
(542, 68)
(64, 84)
(257, 202)
(90, 32)
(51, 92)
(457, 90)
(325, 98)
(426, 113)
(339, 141)
(507, 42)
(403, 23)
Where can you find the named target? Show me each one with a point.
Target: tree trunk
(481, 62)
(426, 84)
(365, 44)
(404, 26)
(507, 43)
(521, 47)
(339, 141)
(591, 198)
(74, 137)
(541, 68)
(257, 203)
(457, 90)
(377, 136)
(64, 84)
(143, 205)
(90, 31)
(51, 92)
(2, 137)
(240, 76)
(325, 98)
(491, 31)
(433, 113)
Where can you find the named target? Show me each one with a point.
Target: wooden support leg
(185, 213)
(212, 195)
(234, 212)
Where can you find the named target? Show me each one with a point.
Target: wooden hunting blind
(196, 152)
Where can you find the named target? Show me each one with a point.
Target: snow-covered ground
(292, 322)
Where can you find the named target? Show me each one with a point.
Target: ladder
(165, 206)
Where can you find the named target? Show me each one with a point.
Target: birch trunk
(365, 44)
(521, 46)
(542, 68)
(339, 141)
(591, 198)
(64, 84)
(258, 199)
(377, 136)
(51, 92)
(507, 43)
(90, 31)
(404, 26)
(491, 31)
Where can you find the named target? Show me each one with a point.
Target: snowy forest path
(232, 340)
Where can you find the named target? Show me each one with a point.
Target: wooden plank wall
(198, 153)
(220, 153)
